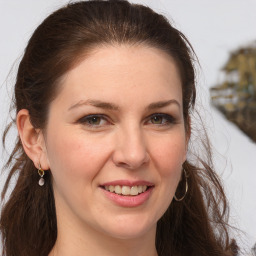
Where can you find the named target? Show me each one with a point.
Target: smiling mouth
(127, 190)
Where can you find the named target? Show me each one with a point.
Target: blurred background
(223, 35)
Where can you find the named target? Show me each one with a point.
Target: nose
(130, 149)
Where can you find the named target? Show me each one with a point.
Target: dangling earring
(41, 174)
(186, 190)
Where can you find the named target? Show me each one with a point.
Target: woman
(103, 97)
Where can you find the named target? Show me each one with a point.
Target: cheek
(73, 156)
(169, 155)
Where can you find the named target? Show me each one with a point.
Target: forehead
(119, 69)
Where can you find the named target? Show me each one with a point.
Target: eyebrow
(162, 104)
(111, 106)
(95, 103)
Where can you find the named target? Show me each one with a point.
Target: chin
(131, 228)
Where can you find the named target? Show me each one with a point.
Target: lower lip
(129, 201)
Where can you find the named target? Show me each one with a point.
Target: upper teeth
(126, 190)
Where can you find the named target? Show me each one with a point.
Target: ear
(32, 140)
(188, 129)
(188, 134)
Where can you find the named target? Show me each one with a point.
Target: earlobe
(188, 132)
(187, 136)
(32, 139)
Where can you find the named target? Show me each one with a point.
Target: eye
(161, 119)
(156, 119)
(93, 120)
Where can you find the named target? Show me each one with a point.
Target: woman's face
(115, 141)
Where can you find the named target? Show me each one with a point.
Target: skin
(128, 142)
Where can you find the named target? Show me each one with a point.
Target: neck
(88, 242)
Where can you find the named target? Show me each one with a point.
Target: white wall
(214, 28)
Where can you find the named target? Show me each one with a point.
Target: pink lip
(128, 201)
(127, 183)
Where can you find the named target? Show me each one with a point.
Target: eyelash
(86, 120)
(169, 120)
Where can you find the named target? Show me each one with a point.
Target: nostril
(130, 165)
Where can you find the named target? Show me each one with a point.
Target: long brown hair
(196, 225)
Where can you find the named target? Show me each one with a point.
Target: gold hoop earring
(186, 190)
(41, 174)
